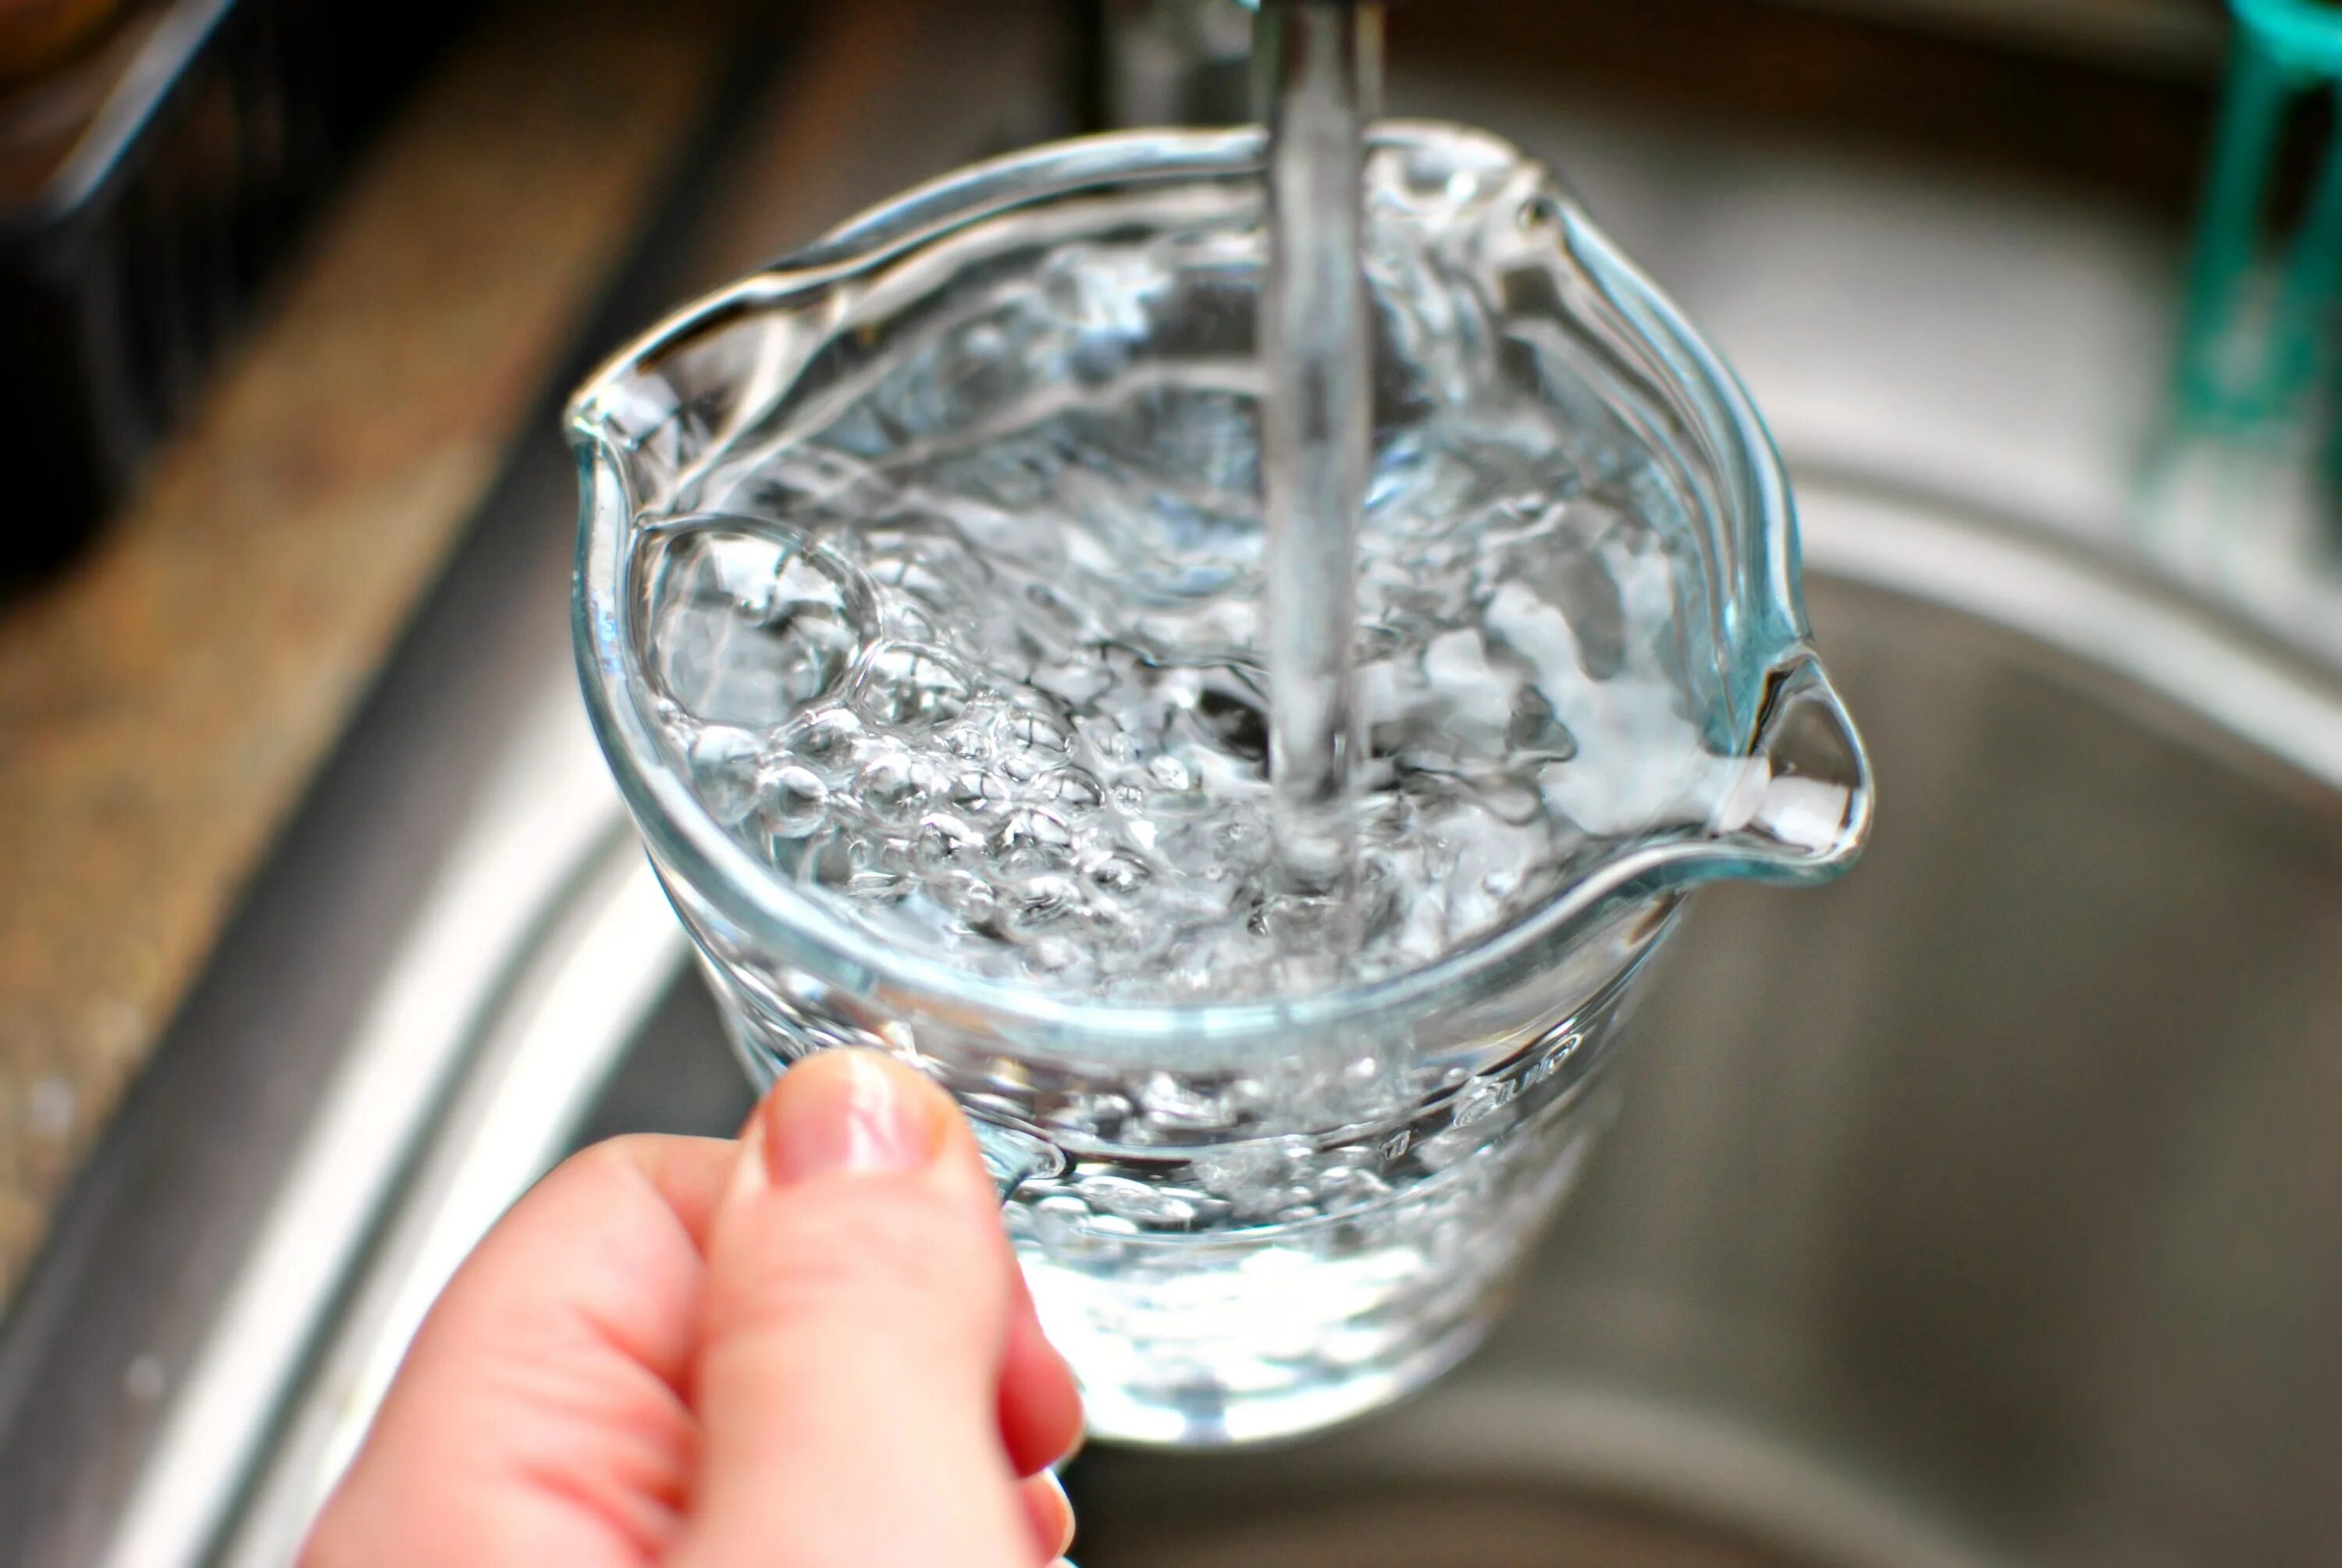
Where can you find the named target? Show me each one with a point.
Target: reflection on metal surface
(2208, 663)
(1930, 1234)
(605, 951)
(1974, 1209)
(520, 851)
(1526, 1472)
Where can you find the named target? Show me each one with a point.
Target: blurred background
(1978, 1209)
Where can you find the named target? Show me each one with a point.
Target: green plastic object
(2256, 343)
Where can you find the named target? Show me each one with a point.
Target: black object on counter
(145, 184)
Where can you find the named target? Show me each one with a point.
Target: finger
(1050, 1512)
(541, 1413)
(856, 1318)
(1040, 1404)
(1040, 1401)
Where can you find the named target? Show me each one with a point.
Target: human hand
(809, 1349)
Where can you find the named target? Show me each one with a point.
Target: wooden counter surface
(164, 701)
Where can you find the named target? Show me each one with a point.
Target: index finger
(543, 1412)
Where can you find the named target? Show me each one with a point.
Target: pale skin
(809, 1348)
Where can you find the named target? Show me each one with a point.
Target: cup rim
(686, 843)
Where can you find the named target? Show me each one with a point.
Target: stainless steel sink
(1979, 1208)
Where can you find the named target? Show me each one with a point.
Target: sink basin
(1976, 1209)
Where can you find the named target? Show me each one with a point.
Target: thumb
(858, 1306)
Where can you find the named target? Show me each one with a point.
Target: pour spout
(1802, 809)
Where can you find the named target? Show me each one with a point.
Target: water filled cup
(916, 610)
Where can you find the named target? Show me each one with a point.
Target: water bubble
(1025, 730)
(909, 686)
(968, 896)
(795, 801)
(1555, 1057)
(945, 840)
(1240, 1170)
(1090, 1112)
(1073, 790)
(909, 622)
(979, 794)
(1119, 873)
(1171, 773)
(1041, 901)
(1480, 1099)
(1053, 955)
(1032, 838)
(1055, 614)
(828, 861)
(1534, 731)
(1241, 841)
(1060, 1224)
(966, 741)
(723, 763)
(1347, 1188)
(749, 622)
(1108, 739)
(1168, 1102)
(889, 784)
(1159, 1207)
(827, 741)
(1236, 723)
(878, 885)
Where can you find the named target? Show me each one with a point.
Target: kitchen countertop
(164, 701)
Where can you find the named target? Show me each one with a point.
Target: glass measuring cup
(1242, 1215)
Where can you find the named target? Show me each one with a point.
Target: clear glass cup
(1241, 1217)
